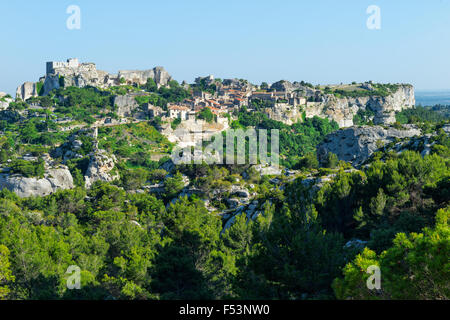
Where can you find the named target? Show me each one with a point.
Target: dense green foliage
(28, 168)
(296, 140)
(206, 114)
(132, 243)
(363, 117)
(420, 114)
(133, 246)
(415, 267)
(83, 103)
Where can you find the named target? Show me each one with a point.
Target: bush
(28, 168)
(331, 161)
(206, 114)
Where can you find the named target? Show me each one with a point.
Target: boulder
(356, 144)
(233, 203)
(99, 169)
(54, 179)
(239, 192)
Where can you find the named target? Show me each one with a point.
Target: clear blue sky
(317, 41)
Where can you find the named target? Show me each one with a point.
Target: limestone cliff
(126, 104)
(285, 113)
(158, 74)
(85, 74)
(27, 90)
(356, 144)
(73, 73)
(343, 109)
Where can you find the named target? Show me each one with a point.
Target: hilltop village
(281, 101)
(72, 111)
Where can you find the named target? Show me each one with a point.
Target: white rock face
(356, 144)
(285, 113)
(81, 75)
(27, 90)
(54, 179)
(342, 110)
(60, 178)
(99, 168)
(158, 74)
(126, 104)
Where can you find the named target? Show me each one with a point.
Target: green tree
(206, 114)
(173, 185)
(415, 267)
(151, 86)
(331, 161)
(134, 179)
(6, 276)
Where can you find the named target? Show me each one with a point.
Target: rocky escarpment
(356, 144)
(125, 104)
(158, 74)
(84, 75)
(54, 179)
(27, 90)
(73, 73)
(343, 107)
(342, 110)
(285, 113)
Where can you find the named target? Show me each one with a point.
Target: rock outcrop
(100, 168)
(356, 144)
(341, 108)
(126, 104)
(285, 113)
(54, 179)
(27, 90)
(158, 74)
(74, 73)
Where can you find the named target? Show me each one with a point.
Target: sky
(321, 41)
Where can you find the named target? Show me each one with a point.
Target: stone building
(177, 111)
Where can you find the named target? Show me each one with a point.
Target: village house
(178, 112)
(154, 111)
